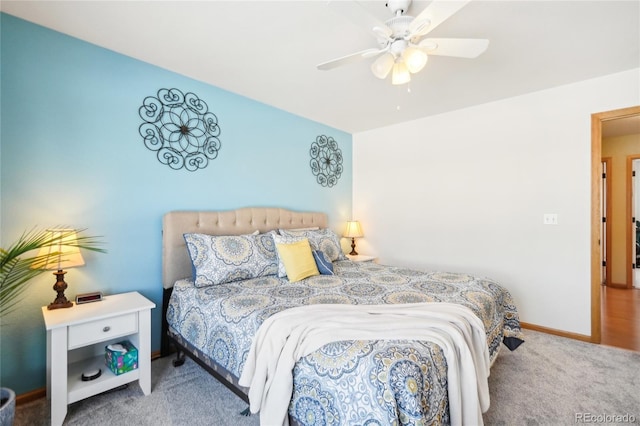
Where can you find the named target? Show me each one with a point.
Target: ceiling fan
(402, 50)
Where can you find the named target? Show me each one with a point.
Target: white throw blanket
(294, 333)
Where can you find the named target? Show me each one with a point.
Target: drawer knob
(107, 328)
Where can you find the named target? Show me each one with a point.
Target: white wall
(466, 191)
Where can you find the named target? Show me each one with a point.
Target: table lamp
(62, 253)
(353, 231)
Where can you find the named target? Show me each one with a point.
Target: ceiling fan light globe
(382, 66)
(400, 74)
(415, 59)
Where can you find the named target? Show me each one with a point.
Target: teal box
(121, 362)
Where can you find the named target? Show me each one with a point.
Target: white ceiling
(268, 50)
(621, 127)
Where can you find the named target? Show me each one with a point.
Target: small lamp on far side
(63, 253)
(353, 231)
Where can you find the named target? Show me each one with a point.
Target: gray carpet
(549, 380)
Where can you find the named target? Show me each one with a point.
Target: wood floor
(621, 318)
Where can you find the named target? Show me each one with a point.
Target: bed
(372, 381)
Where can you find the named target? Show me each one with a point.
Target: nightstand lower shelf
(77, 389)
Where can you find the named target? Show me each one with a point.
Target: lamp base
(60, 286)
(353, 248)
(56, 305)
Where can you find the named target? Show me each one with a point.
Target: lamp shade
(62, 253)
(354, 230)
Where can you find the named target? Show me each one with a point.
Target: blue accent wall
(71, 155)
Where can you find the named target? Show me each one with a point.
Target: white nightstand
(361, 258)
(76, 340)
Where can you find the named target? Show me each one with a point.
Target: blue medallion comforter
(374, 382)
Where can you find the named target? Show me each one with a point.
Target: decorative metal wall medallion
(180, 129)
(326, 160)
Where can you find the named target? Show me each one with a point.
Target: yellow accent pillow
(298, 260)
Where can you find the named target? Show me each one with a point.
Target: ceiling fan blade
(433, 15)
(349, 59)
(457, 47)
(359, 15)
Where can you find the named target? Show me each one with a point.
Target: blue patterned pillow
(227, 258)
(323, 239)
(325, 267)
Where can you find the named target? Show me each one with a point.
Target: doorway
(633, 219)
(621, 152)
(597, 121)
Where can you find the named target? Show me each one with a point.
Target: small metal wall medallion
(326, 160)
(180, 129)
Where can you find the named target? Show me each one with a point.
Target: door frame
(596, 215)
(606, 240)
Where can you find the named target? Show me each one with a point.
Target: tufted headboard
(175, 258)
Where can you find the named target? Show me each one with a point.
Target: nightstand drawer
(104, 329)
